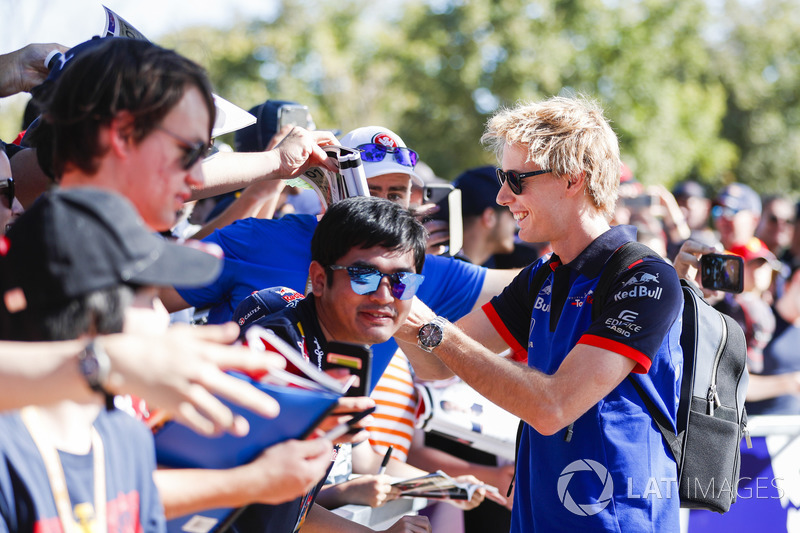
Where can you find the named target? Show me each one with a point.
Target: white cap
(388, 138)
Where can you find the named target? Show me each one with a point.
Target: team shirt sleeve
(510, 312)
(640, 308)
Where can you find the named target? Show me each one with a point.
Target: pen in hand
(385, 461)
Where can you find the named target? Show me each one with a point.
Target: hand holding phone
(357, 359)
(293, 115)
(434, 193)
(722, 272)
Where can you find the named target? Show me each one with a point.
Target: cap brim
(189, 264)
(230, 117)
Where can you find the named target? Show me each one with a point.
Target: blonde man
(590, 457)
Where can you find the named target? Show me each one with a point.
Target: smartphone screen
(357, 359)
(293, 115)
(722, 272)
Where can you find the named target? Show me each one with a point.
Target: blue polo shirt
(615, 474)
(262, 253)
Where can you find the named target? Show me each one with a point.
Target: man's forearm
(231, 171)
(186, 491)
(41, 373)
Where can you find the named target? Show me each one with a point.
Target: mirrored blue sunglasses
(375, 153)
(366, 280)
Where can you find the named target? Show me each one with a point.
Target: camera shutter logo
(586, 509)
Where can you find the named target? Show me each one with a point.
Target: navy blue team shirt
(615, 474)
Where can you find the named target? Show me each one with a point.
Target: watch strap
(95, 366)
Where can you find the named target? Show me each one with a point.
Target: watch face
(90, 367)
(430, 335)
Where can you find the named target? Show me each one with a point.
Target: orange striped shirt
(396, 403)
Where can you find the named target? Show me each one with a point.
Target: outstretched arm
(296, 153)
(547, 402)
(281, 473)
(180, 371)
(24, 69)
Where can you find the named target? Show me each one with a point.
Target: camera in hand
(722, 272)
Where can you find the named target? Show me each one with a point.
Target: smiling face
(536, 210)
(159, 185)
(369, 318)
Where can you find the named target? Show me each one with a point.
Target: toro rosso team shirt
(615, 473)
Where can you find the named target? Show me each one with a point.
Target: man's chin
(377, 335)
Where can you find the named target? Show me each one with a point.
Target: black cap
(78, 240)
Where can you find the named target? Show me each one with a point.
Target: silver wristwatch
(430, 335)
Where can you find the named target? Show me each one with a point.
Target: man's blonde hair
(569, 135)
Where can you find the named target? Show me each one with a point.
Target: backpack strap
(516, 457)
(672, 440)
(627, 256)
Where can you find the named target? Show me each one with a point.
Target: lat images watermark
(596, 494)
(758, 488)
(585, 509)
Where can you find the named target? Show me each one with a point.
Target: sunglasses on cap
(7, 190)
(514, 179)
(375, 153)
(192, 151)
(366, 280)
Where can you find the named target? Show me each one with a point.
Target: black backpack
(711, 413)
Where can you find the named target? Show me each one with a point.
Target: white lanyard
(58, 483)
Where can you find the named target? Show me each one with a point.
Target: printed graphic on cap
(385, 140)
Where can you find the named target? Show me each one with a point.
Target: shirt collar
(592, 259)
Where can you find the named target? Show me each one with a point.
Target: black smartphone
(722, 272)
(357, 358)
(435, 192)
(347, 427)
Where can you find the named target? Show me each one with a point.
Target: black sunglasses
(514, 179)
(192, 151)
(7, 190)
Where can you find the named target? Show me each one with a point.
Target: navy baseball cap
(265, 302)
(689, 189)
(739, 197)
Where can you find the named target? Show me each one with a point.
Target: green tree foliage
(693, 88)
(758, 60)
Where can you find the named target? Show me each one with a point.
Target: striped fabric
(396, 404)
